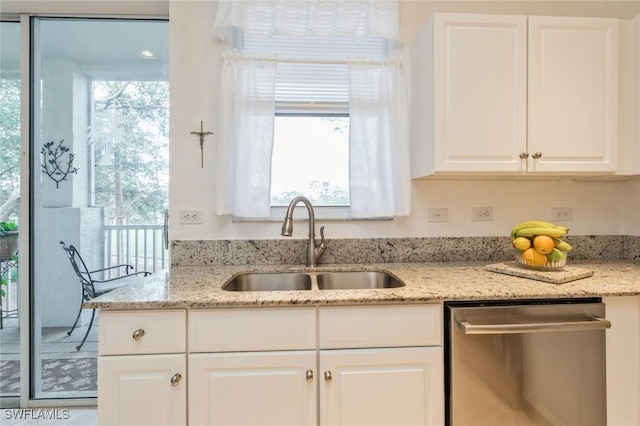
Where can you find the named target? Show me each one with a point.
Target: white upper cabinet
(511, 94)
(469, 95)
(573, 94)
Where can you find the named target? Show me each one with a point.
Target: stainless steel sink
(269, 282)
(329, 280)
(355, 280)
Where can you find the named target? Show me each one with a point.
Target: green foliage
(130, 132)
(7, 227)
(319, 193)
(9, 139)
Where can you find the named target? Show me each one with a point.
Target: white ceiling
(100, 46)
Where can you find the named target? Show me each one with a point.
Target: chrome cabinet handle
(175, 379)
(309, 376)
(524, 155)
(536, 155)
(327, 376)
(138, 334)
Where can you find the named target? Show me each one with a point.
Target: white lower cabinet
(333, 366)
(391, 386)
(253, 388)
(623, 360)
(363, 365)
(141, 390)
(142, 369)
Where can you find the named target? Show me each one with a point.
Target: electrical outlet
(482, 214)
(561, 214)
(190, 216)
(438, 215)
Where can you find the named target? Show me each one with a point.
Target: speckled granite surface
(201, 286)
(388, 250)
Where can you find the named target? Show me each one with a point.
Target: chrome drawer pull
(175, 379)
(138, 334)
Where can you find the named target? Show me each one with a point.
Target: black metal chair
(92, 287)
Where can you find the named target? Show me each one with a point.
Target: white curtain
(245, 134)
(379, 140)
(356, 19)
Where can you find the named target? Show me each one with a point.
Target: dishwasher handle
(595, 323)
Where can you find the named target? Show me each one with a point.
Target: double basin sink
(298, 281)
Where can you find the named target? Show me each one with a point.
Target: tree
(9, 149)
(319, 193)
(130, 125)
(129, 128)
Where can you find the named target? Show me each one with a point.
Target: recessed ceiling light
(147, 54)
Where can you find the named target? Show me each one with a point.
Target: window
(311, 131)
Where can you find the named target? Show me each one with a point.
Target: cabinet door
(479, 92)
(141, 390)
(573, 94)
(623, 360)
(401, 386)
(253, 388)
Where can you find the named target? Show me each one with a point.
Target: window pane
(310, 158)
(9, 206)
(99, 172)
(130, 134)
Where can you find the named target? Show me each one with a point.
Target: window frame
(307, 109)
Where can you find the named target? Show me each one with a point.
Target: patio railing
(138, 245)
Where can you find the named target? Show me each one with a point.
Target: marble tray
(564, 275)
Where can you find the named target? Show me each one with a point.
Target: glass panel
(100, 127)
(9, 207)
(310, 158)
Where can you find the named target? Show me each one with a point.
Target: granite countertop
(201, 286)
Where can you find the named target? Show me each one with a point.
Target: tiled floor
(73, 416)
(55, 345)
(55, 342)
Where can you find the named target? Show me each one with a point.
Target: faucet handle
(323, 245)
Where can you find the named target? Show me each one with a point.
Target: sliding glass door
(99, 145)
(10, 128)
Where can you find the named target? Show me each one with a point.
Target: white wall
(599, 207)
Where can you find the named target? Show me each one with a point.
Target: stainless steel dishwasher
(530, 363)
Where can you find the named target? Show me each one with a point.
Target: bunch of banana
(531, 228)
(540, 243)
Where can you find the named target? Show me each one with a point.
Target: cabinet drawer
(251, 329)
(162, 332)
(380, 326)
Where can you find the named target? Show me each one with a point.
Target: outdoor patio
(66, 372)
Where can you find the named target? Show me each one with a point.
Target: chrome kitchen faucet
(313, 251)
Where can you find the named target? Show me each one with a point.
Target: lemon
(532, 257)
(543, 244)
(521, 243)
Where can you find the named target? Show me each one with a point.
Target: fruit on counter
(555, 255)
(540, 243)
(537, 224)
(534, 258)
(543, 244)
(562, 245)
(551, 232)
(521, 243)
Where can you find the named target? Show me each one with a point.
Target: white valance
(357, 19)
